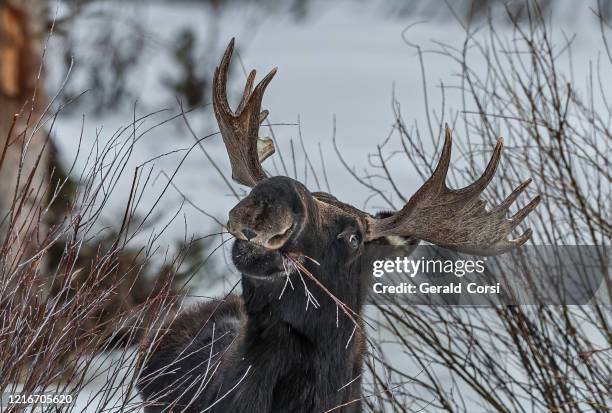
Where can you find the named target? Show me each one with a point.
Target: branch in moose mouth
(287, 277)
(295, 259)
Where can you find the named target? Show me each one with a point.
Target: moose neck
(322, 313)
(310, 359)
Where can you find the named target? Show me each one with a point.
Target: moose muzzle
(261, 223)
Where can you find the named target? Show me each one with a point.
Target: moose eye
(351, 236)
(354, 241)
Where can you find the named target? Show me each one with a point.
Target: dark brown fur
(269, 353)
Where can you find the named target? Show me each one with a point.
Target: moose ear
(394, 241)
(388, 247)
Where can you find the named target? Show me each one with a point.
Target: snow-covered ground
(343, 61)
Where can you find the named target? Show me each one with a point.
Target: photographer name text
(432, 269)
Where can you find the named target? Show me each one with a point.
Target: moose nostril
(249, 233)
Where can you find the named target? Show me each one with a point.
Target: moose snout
(268, 228)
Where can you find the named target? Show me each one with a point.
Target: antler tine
(248, 87)
(457, 218)
(439, 175)
(220, 79)
(508, 245)
(505, 204)
(517, 218)
(240, 129)
(481, 183)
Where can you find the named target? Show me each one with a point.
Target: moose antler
(240, 129)
(457, 218)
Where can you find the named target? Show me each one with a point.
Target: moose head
(281, 218)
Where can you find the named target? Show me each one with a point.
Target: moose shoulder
(294, 340)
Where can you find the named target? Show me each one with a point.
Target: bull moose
(294, 340)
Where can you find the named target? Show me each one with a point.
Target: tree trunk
(23, 140)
